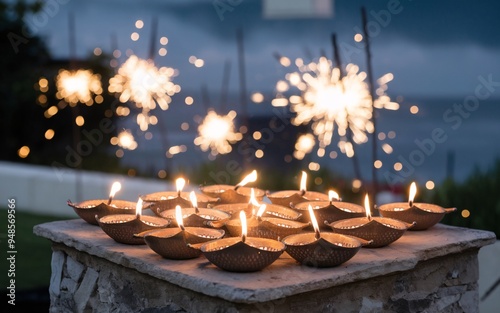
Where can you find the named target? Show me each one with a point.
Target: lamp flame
(114, 189)
(367, 208)
(333, 196)
(243, 219)
(250, 178)
(303, 183)
(180, 183)
(138, 208)
(413, 192)
(253, 200)
(194, 201)
(314, 221)
(261, 211)
(178, 217)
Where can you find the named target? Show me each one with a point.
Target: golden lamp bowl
(234, 255)
(174, 243)
(424, 214)
(272, 210)
(329, 211)
(380, 230)
(167, 200)
(228, 194)
(328, 251)
(87, 210)
(122, 227)
(193, 219)
(266, 227)
(289, 198)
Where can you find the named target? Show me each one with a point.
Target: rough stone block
(56, 266)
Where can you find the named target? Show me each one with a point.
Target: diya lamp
(265, 227)
(381, 230)
(330, 211)
(174, 243)
(318, 249)
(424, 214)
(194, 216)
(88, 209)
(290, 198)
(122, 227)
(234, 208)
(167, 200)
(234, 194)
(242, 254)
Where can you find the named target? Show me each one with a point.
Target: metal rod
(369, 73)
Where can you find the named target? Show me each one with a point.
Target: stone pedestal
(427, 271)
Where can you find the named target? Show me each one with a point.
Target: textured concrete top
(283, 278)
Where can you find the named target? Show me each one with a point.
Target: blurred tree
(24, 120)
(476, 200)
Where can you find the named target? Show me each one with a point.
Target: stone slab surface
(281, 279)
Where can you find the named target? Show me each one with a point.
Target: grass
(33, 253)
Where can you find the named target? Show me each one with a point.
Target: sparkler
(78, 86)
(217, 133)
(141, 82)
(333, 102)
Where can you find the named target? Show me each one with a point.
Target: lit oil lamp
(265, 227)
(272, 210)
(318, 249)
(174, 243)
(289, 198)
(242, 254)
(234, 194)
(424, 214)
(194, 216)
(87, 210)
(381, 230)
(122, 227)
(330, 211)
(167, 200)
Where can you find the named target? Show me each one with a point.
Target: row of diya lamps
(214, 223)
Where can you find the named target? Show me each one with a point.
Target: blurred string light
(331, 103)
(77, 86)
(304, 145)
(217, 133)
(147, 86)
(124, 140)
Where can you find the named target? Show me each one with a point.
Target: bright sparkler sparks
(304, 145)
(217, 133)
(141, 82)
(126, 140)
(78, 86)
(329, 102)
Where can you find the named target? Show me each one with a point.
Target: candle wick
(109, 200)
(236, 187)
(369, 218)
(196, 210)
(317, 235)
(410, 203)
(179, 193)
(302, 192)
(243, 238)
(182, 227)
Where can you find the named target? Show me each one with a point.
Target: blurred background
(154, 77)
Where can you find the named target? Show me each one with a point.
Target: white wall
(45, 190)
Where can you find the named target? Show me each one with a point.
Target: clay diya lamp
(194, 216)
(167, 200)
(122, 227)
(381, 230)
(265, 227)
(425, 215)
(242, 254)
(316, 249)
(174, 243)
(290, 198)
(88, 209)
(234, 194)
(330, 211)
